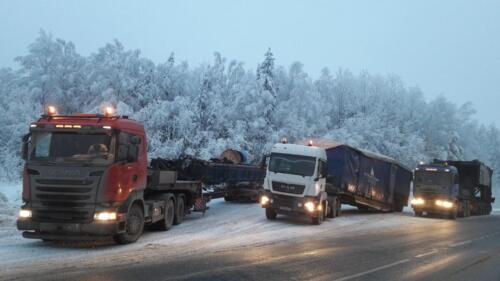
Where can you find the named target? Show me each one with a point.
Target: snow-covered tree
(204, 109)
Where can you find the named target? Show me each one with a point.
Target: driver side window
(127, 150)
(322, 173)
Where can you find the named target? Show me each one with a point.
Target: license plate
(285, 208)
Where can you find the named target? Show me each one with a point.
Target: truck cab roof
(437, 168)
(299, 149)
(83, 120)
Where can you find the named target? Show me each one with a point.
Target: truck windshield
(292, 164)
(432, 180)
(64, 147)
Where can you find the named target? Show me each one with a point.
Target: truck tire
(418, 213)
(331, 208)
(271, 214)
(168, 217)
(319, 218)
(134, 225)
(228, 198)
(180, 209)
(334, 206)
(453, 215)
(465, 209)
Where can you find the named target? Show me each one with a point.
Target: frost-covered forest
(201, 110)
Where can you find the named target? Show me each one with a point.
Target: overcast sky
(448, 47)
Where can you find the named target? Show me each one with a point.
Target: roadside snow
(225, 226)
(10, 200)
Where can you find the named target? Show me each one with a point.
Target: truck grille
(285, 201)
(63, 200)
(288, 188)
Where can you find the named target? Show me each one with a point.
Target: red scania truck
(87, 176)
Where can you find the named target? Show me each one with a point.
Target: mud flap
(200, 205)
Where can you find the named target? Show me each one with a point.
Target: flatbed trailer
(232, 181)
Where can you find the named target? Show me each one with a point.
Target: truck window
(68, 147)
(433, 178)
(42, 145)
(125, 148)
(322, 171)
(292, 164)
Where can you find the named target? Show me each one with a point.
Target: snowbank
(10, 200)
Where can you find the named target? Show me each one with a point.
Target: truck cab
(295, 182)
(453, 188)
(82, 173)
(435, 190)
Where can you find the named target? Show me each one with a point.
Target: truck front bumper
(290, 205)
(430, 207)
(69, 231)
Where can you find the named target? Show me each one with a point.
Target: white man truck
(315, 179)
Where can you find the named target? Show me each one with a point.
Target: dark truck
(452, 188)
(315, 179)
(87, 176)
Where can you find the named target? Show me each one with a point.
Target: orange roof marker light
(109, 111)
(51, 110)
(310, 143)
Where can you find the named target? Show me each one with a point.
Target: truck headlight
(105, 216)
(417, 201)
(24, 213)
(444, 203)
(264, 200)
(309, 206)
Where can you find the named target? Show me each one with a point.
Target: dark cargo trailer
(366, 179)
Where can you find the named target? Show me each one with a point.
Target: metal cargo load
(366, 179)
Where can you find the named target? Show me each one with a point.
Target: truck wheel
(134, 225)
(339, 208)
(271, 214)
(320, 217)
(168, 217)
(333, 207)
(180, 210)
(418, 213)
(467, 213)
(228, 198)
(453, 215)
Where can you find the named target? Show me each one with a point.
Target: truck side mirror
(24, 146)
(24, 150)
(324, 172)
(265, 162)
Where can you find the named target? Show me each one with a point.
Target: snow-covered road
(225, 226)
